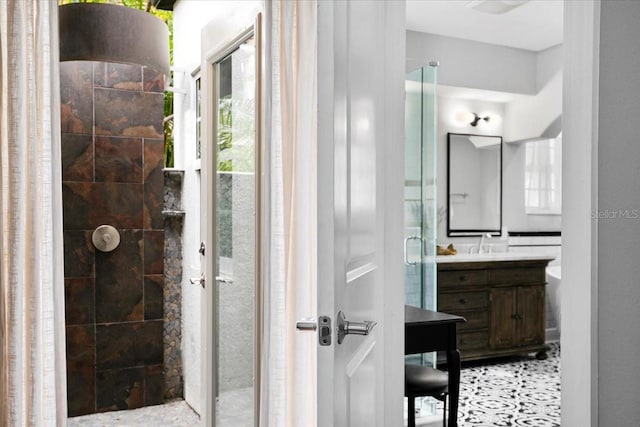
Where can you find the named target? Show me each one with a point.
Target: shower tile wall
(112, 149)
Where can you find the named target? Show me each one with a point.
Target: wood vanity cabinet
(503, 302)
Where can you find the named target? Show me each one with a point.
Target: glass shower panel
(429, 193)
(420, 188)
(413, 212)
(420, 209)
(236, 214)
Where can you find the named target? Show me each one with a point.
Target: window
(543, 177)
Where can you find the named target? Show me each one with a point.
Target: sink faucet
(481, 242)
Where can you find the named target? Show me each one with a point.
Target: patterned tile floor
(511, 392)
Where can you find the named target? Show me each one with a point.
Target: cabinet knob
(462, 301)
(463, 278)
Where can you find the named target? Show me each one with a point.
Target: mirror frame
(470, 232)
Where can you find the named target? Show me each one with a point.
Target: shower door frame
(220, 38)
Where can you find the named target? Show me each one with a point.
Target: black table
(426, 331)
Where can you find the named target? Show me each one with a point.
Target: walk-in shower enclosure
(114, 63)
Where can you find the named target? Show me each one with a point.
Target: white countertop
(505, 256)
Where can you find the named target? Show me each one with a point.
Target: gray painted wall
(618, 246)
(514, 216)
(528, 116)
(465, 63)
(535, 76)
(549, 63)
(447, 108)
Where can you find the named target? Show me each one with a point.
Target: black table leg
(411, 413)
(453, 367)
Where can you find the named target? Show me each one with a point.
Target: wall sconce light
(473, 119)
(476, 118)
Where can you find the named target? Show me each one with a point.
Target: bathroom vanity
(502, 296)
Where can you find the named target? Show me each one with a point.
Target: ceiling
(535, 25)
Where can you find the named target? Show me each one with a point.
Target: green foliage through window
(236, 134)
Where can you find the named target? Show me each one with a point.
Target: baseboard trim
(552, 335)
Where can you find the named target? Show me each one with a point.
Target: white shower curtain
(288, 365)
(32, 360)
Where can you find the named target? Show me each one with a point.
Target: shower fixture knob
(105, 238)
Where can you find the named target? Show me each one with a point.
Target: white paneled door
(360, 182)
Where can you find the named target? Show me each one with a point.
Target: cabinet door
(530, 325)
(503, 310)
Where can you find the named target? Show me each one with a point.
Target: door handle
(198, 280)
(406, 249)
(346, 327)
(221, 279)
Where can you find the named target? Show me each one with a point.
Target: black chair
(420, 381)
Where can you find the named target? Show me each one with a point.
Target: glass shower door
(235, 287)
(420, 188)
(420, 209)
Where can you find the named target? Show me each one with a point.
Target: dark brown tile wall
(76, 98)
(119, 287)
(118, 159)
(90, 204)
(128, 113)
(77, 160)
(153, 297)
(118, 389)
(112, 148)
(153, 183)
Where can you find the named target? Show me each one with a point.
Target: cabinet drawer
(517, 275)
(455, 302)
(475, 320)
(462, 277)
(468, 341)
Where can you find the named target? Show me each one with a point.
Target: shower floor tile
(172, 414)
(235, 408)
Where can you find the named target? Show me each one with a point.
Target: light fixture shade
(112, 33)
(465, 117)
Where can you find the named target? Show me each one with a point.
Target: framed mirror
(474, 184)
